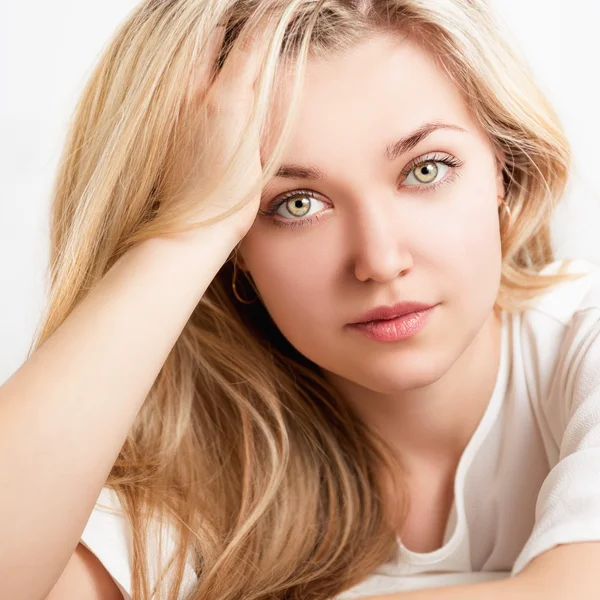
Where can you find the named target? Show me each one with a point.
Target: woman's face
(378, 228)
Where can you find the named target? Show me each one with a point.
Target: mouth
(395, 329)
(389, 313)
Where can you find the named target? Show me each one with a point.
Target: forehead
(383, 88)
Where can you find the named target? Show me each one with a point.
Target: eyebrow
(392, 152)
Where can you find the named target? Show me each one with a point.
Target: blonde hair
(264, 471)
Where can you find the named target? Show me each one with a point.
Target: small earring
(505, 206)
(234, 288)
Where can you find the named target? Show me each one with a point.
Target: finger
(245, 59)
(204, 73)
(215, 45)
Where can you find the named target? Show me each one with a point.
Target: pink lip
(391, 312)
(393, 330)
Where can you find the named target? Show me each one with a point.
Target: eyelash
(447, 160)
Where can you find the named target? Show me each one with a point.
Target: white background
(47, 50)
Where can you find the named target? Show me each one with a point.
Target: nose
(380, 252)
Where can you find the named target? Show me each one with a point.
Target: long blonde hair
(265, 473)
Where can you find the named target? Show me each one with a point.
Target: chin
(397, 378)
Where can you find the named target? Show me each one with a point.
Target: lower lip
(397, 329)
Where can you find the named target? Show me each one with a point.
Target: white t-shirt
(528, 478)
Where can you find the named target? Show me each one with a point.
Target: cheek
(466, 221)
(468, 249)
(296, 287)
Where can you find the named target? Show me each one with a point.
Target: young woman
(306, 337)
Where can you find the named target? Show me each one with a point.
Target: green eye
(298, 206)
(426, 172)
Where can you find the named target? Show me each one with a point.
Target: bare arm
(564, 571)
(65, 414)
(85, 577)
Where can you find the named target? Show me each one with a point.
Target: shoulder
(563, 301)
(553, 325)
(109, 537)
(558, 341)
(556, 345)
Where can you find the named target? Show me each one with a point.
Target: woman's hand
(220, 113)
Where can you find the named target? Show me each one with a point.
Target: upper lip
(391, 312)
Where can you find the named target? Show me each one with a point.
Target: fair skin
(385, 236)
(379, 241)
(566, 571)
(378, 249)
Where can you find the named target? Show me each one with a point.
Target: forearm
(513, 588)
(65, 414)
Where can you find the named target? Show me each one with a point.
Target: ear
(500, 162)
